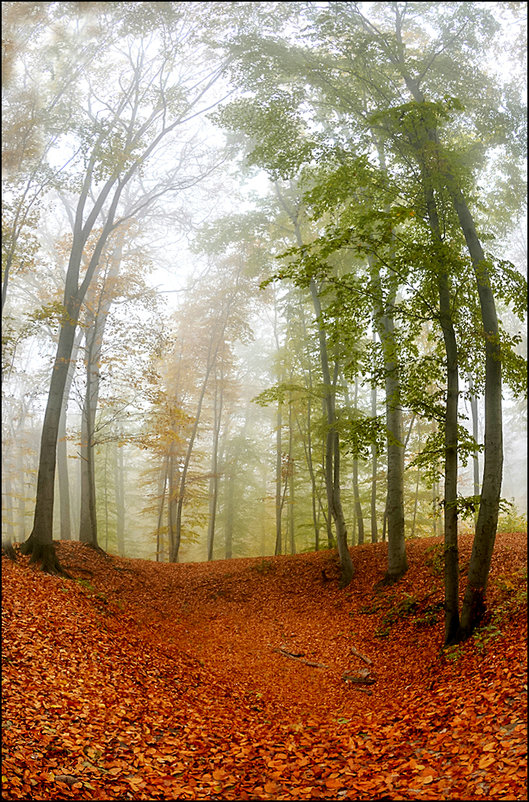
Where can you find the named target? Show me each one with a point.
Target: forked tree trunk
(332, 450)
(487, 522)
(40, 542)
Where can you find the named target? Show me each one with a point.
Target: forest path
(238, 618)
(152, 681)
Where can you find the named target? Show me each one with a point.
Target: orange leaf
(333, 782)
(486, 761)
(489, 747)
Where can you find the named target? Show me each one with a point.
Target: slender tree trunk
(417, 483)
(214, 478)
(332, 457)
(307, 442)
(212, 353)
(88, 519)
(356, 490)
(397, 561)
(22, 496)
(307, 447)
(161, 494)
(62, 451)
(172, 504)
(385, 326)
(40, 542)
(451, 549)
(394, 506)
(374, 466)
(475, 434)
(279, 481)
(230, 514)
(120, 501)
(7, 510)
(291, 499)
(486, 525)
(105, 495)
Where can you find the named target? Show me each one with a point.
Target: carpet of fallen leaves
(224, 680)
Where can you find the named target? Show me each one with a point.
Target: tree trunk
(475, 434)
(374, 467)
(120, 501)
(214, 478)
(394, 507)
(486, 525)
(97, 311)
(279, 483)
(332, 452)
(291, 534)
(172, 504)
(88, 519)
(230, 515)
(40, 542)
(212, 354)
(356, 491)
(161, 494)
(451, 550)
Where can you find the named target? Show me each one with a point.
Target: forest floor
(225, 680)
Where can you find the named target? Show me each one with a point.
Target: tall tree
(115, 143)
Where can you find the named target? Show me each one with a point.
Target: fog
(221, 298)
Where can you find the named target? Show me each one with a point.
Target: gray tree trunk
(332, 451)
(374, 467)
(487, 522)
(279, 480)
(120, 501)
(214, 478)
(475, 434)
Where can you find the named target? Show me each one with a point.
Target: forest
(264, 304)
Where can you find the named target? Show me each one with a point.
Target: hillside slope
(225, 680)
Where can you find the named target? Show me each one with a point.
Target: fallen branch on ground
(361, 656)
(300, 658)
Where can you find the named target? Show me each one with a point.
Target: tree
(115, 143)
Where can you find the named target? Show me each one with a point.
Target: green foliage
(276, 128)
(435, 559)
(514, 592)
(510, 520)
(358, 432)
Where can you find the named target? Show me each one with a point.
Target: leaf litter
(235, 679)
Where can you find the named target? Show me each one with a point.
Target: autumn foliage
(260, 679)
